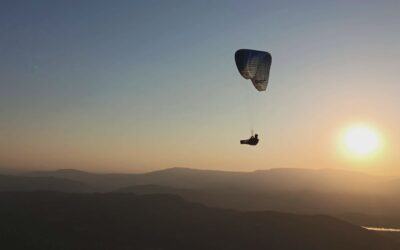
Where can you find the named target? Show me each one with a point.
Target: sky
(136, 86)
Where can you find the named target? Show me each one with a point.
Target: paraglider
(254, 65)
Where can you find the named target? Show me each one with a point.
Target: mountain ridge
(53, 220)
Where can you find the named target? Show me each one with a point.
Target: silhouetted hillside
(376, 220)
(324, 180)
(22, 183)
(50, 220)
(306, 191)
(102, 182)
(305, 202)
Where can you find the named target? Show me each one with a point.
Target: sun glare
(361, 140)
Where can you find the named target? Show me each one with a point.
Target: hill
(322, 180)
(307, 191)
(51, 220)
(22, 183)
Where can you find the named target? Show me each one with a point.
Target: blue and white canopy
(254, 65)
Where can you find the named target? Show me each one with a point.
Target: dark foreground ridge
(53, 220)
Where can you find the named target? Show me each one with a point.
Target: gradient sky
(128, 86)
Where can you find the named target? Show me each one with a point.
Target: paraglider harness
(252, 141)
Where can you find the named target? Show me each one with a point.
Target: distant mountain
(305, 202)
(11, 171)
(22, 183)
(102, 182)
(305, 191)
(156, 189)
(51, 220)
(379, 220)
(324, 180)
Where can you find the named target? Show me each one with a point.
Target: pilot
(252, 141)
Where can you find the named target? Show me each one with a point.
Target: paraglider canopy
(254, 65)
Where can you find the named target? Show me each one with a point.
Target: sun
(361, 140)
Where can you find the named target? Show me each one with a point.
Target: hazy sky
(141, 85)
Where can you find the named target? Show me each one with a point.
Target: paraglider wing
(254, 65)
